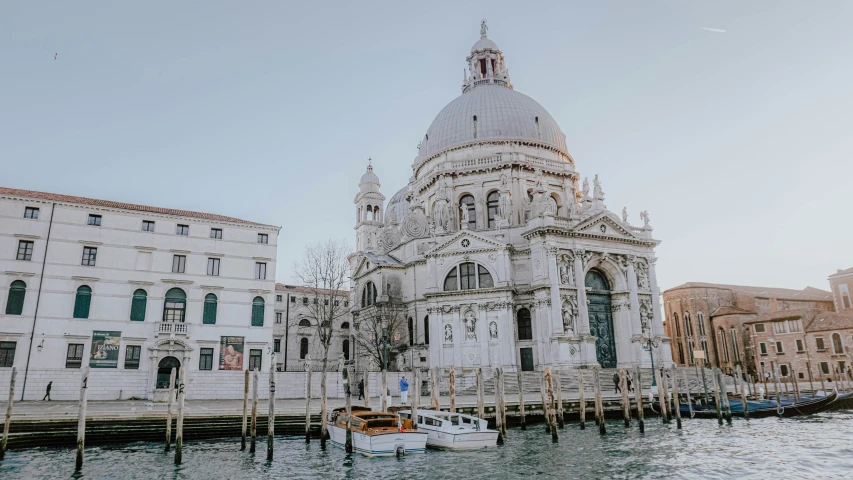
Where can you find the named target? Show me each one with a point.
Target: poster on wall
(231, 353)
(105, 348)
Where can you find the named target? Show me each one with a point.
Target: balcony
(172, 329)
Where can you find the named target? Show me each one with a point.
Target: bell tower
(368, 211)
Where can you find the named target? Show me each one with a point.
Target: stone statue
(493, 330)
(483, 28)
(442, 217)
(569, 316)
(465, 216)
(506, 205)
(625, 214)
(470, 327)
(645, 216)
(597, 192)
(642, 277)
(585, 190)
(448, 334)
(504, 180)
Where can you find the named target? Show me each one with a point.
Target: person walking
(361, 389)
(404, 390)
(628, 380)
(616, 383)
(47, 393)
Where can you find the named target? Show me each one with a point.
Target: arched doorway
(164, 371)
(601, 318)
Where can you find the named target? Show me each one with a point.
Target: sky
(729, 121)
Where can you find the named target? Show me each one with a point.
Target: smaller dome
(399, 205)
(485, 43)
(369, 181)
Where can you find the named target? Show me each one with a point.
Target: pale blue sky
(737, 143)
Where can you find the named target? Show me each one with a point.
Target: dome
(369, 181)
(502, 114)
(399, 204)
(485, 43)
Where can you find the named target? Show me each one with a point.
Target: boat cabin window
(431, 421)
(405, 415)
(382, 422)
(420, 419)
(454, 419)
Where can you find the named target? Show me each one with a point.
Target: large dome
(502, 114)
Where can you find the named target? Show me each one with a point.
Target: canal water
(818, 446)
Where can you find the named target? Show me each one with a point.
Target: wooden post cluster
(558, 385)
(271, 420)
(727, 408)
(687, 387)
(169, 408)
(81, 419)
(521, 401)
(552, 414)
(254, 428)
(452, 390)
(307, 407)
(626, 402)
(8, 421)
(717, 397)
(639, 396)
(582, 399)
(499, 410)
(179, 428)
(599, 405)
(245, 409)
(676, 401)
(481, 410)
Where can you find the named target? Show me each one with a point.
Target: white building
(130, 291)
(501, 257)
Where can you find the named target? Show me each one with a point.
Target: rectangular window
(779, 347)
(824, 368)
(315, 301)
(263, 238)
(31, 212)
(89, 256)
(819, 343)
(278, 298)
(346, 303)
(326, 301)
(179, 263)
(255, 359)
(95, 220)
(783, 370)
(780, 327)
(74, 355)
(845, 299)
(304, 300)
(277, 317)
(182, 230)
(799, 346)
(7, 353)
(795, 325)
(131, 357)
(25, 250)
(260, 271)
(276, 345)
(216, 233)
(205, 359)
(292, 299)
(147, 225)
(842, 366)
(337, 303)
(759, 328)
(762, 347)
(213, 266)
(467, 276)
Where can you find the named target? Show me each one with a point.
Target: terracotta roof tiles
(808, 293)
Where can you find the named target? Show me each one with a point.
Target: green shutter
(258, 312)
(82, 302)
(209, 315)
(137, 306)
(15, 302)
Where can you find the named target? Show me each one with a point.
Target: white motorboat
(453, 431)
(376, 433)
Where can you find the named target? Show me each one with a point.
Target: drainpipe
(286, 328)
(38, 299)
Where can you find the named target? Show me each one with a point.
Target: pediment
(605, 224)
(466, 241)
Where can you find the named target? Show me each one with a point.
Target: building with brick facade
(841, 284)
(710, 317)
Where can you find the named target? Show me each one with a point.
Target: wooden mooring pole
(545, 414)
(626, 402)
(796, 385)
(179, 428)
(676, 401)
(307, 403)
(661, 395)
(638, 393)
(434, 393)
(499, 417)
(271, 420)
(8, 421)
(254, 428)
(245, 409)
(367, 390)
(452, 377)
(385, 395)
(521, 401)
(666, 397)
(552, 417)
(481, 410)
(169, 409)
(81, 419)
(717, 397)
(558, 385)
(581, 399)
(348, 394)
(743, 401)
(599, 405)
(727, 407)
(687, 387)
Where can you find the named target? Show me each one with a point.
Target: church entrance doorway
(601, 318)
(526, 359)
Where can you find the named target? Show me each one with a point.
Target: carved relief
(566, 269)
(448, 334)
(493, 330)
(415, 225)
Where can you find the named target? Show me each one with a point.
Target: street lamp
(650, 344)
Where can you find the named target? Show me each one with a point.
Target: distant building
(709, 317)
(808, 345)
(841, 284)
(130, 291)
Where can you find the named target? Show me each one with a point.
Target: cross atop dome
(486, 64)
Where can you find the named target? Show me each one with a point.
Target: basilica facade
(499, 251)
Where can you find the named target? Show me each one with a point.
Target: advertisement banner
(231, 353)
(105, 348)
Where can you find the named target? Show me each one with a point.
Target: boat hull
(379, 445)
(793, 409)
(461, 441)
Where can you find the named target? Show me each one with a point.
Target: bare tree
(386, 320)
(324, 271)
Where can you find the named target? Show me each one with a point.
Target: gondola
(767, 408)
(843, 402)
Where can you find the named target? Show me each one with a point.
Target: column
(633, 300)
(483, 336)
(657, 321)
(556, 304)
(580, 279)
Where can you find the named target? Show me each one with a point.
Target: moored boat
(376, 433)
(453, 431)
(768, 408)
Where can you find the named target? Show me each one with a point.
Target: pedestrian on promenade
(361, 389)
(404, 390)
(616, 383)
(47, 393)
(629, 380)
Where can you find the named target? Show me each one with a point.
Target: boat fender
(400, 451)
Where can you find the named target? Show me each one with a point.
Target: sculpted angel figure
(470, 326)
(448, 334)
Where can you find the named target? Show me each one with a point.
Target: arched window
(345, 326)
(468, 276)
(492, 206)
(411, 332)
(426, 330)
(303, 348)
(688, 332)
(688, 327)
(304, 323)
(594, 280)
(525, 328)
(175, 307)
(675, 322)
(258, 312)
(836, 344)
(208, 316)
(137, 305)
(368, 295)
(82, 302)
(15, 302)
(703, 339)
(345, 348)
(721, 337)
(735, 349)
(467, 203)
